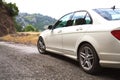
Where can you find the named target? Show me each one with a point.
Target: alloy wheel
(86, 58)
(41, 46)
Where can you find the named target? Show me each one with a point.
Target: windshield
(109, 14)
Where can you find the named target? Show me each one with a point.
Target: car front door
(54, 39)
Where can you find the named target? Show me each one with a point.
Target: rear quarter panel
(100, 37)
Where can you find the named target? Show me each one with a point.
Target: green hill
(37, 20)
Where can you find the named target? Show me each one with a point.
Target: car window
(64, 21)
(109, 14)
(81, 17)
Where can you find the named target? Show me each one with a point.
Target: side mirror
(50, 27)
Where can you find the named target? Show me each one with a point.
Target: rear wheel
(41, 46)
(88, 59)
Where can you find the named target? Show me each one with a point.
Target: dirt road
(23, 62)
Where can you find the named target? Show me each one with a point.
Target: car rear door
(81, 22)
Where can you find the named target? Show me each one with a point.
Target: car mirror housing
(50, 27)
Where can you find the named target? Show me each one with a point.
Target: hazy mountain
(37, 20)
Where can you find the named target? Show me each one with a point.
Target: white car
(90, 36)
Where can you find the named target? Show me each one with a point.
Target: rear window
(109, 14)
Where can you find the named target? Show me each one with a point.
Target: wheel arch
(41, 37)
(80, 46)
(92, 42)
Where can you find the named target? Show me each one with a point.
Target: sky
(57, 8)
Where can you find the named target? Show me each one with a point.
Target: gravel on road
(23, 62)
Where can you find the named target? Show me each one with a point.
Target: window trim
(73, 13)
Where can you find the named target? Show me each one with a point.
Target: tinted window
(64, 21)
(109, 14)
(81, 18)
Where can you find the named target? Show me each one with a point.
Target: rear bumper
(111, 60)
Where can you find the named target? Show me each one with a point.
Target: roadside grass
(22, 37)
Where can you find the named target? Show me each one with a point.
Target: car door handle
(79, 29)
(60, 31)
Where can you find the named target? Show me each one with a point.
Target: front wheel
(88, 59)
(41, 46)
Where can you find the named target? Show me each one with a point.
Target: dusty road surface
(23, 62)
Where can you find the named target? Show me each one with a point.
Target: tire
(41, 46)
(88, 59)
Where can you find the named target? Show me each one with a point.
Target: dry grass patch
(22, 37)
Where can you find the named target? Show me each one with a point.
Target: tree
(12, 9)
(1, 2)
(29, 28)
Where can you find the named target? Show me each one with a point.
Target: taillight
(116, 34)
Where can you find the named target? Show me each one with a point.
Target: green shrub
(18, 27)
(30, 28)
